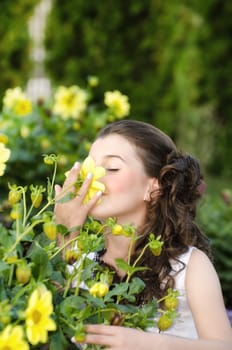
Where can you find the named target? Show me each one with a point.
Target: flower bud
(99, 289)
(23, 274)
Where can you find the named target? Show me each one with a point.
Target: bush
(15, 64)
(48, 292)
(65, 125)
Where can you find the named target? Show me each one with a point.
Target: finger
(69, 183)
(105, 340)
(101, 329)
(94, 201)
(85, 186)
(71, 178)
(58, 189)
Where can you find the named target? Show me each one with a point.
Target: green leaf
(3, 268)
(118, 290)
(58, 341)
(42, 267)
(136, 286)
(123, 265)
(7, 238)
(71, 304)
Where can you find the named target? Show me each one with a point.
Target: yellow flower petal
(97, 186)
(98, 172)
(87, 167)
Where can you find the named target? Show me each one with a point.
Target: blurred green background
(171, 58)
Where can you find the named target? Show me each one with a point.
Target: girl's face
(125, 181)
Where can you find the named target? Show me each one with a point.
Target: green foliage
(55, 289)
(215, 218)
(124, 50)
(15, 43)
(218, 51)
(165, 55)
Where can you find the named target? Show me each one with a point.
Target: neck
(116, 247)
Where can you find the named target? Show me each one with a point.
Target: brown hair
(171, 214)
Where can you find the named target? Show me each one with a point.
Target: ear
(151, 187)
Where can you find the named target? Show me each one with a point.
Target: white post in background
(39, 85)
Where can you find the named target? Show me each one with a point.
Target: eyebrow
(114, 156)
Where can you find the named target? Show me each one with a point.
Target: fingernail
(89, 175)
(99, 193)
(76, 165)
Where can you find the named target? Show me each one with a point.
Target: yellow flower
(98, 172)
(118, 103)
(17, 101)
(11, 338)
(12, 259)
(99, 289)
(4, 156)
(70, 102)
(3, 139)
(12, 96)
(38, 312)
(117, 230)
(22, 107)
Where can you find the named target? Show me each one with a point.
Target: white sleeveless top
(183, 325)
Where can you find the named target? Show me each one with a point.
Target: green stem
(67, 286)
(11, 275)
(45, 207)
(50, 190)
(19, 294)
(119, 298)
(80, 268)
(24, 206)
(63, 246)
(20, 237)
(67, 323)
(140, 255)
(136, 262)
(17, 227)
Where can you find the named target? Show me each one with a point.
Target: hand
(118, 338)
(73, 213)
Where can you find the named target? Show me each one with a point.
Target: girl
(151, 185)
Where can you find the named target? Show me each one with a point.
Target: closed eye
(112, 169)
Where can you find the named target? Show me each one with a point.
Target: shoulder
(201, 275)
(205, 297)
(200, 268)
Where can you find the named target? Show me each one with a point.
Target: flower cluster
(50, 291)
(16, 101)
(70, 102)
(118, 104)
(65, 124)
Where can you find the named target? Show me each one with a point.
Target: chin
(99, 214)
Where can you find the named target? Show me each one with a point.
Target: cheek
(118, 185)
(125, 182)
